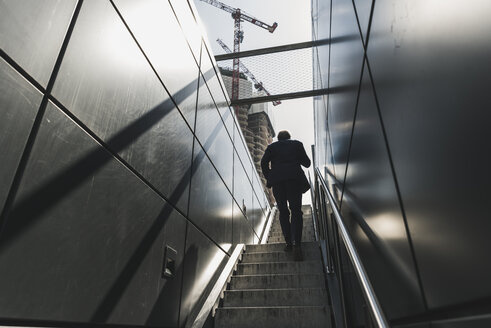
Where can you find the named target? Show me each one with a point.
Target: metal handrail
(267, 225)
(361, 274)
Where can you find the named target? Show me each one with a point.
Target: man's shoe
(288, 248)
(297, 254)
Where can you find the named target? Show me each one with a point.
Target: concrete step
(280, 268)
(275, 234)
(273, 317)
(307, 222)
(259, 257)
(275, 240)
(306, 218)
(277, 224)
(282, 240)
(275, 297)
(279, 232)
(276, 281)
(278, 247)
(278, 229)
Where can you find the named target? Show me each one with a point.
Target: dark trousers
(288, 192)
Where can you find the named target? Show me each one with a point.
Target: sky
(294, 25)
(292, 16)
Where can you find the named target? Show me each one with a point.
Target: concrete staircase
(269, 289)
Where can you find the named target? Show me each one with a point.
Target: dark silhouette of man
(288, 181)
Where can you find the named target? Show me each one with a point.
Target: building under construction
(255, 121)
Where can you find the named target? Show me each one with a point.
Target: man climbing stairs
(270, 289)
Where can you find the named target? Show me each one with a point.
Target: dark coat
(285, 157)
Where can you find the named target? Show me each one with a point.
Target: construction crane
(238, 17)
(258, 85)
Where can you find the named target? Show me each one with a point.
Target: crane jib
(238, 17)
(243, 16)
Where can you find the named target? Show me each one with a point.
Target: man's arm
(265, 162)
(304, 159)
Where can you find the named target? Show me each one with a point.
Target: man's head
(283, 135)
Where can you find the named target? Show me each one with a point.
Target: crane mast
(238, 17)
(257, 84)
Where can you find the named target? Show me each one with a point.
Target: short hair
(284, 135)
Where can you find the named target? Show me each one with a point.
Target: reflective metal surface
(242, 228)
(242, 189)
(228, 118)
(321, 24)
(216, 89)
(84, 241)
(260, 209)
(197, 319)
(417, 325)
(157, 30)
(213, 136)
(321, 132)
(432, 79)
(107, 83)
(478, 321)
(320, 65)
(363, 10)
(192, 30)
(243, 152)
(19, 103)
(31, 32)
(259, 219)
(411, 147)
(345, 71)
(201, 260)
(259, 189)
(210, 205)
(376, 310)
(253, 217)
(267, 207)
(373, 216)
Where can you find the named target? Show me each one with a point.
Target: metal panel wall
(417, 161)
(83, 241)
(439, 81)
(346, 60)
(19, 102)
(102, 164)
(371, 211)
(210, 201)
(211, 132)
(120, 98)
(177, 69)
(32, 32)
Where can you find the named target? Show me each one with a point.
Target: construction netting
(271, 74)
